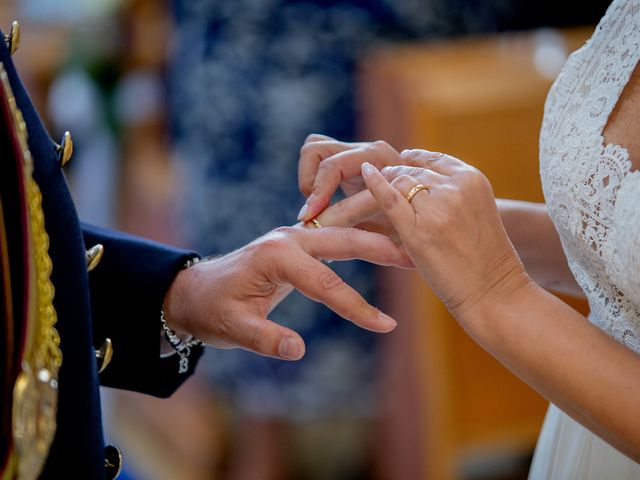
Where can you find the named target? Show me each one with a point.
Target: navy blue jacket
(120, 299)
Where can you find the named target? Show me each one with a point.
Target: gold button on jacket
(12, 39)
(112, 462)
(104, 354)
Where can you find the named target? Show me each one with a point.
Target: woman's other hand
(451, 230)
(326, 164)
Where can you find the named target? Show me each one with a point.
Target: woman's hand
(451, 230)
(225, 301)
(326, 164)
(455, 237)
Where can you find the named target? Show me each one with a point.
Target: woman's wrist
(483, 320)
(505, 284)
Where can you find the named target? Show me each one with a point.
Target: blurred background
(187, 117)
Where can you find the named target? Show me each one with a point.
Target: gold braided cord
(35, 394)
(46, 352)
(46, 346)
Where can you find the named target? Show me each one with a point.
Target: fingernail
(367, 169)
(303, 211)
(291, 348)
(387, 320)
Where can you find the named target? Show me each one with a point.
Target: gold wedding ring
(412, 193)
(315, 223)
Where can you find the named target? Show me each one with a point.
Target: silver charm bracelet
(180, 346)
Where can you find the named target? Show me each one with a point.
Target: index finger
(343, 166)
(314, 151)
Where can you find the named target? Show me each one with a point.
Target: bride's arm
(537, 242)
(454, 236)
(572, 363)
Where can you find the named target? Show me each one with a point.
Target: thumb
(265, 337)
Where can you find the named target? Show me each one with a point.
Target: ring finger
(416, 188)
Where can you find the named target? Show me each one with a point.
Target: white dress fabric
(593, 198)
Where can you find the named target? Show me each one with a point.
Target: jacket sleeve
(127, 289)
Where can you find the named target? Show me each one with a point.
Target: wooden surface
(480, 100)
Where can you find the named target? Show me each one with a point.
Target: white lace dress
(594, 200)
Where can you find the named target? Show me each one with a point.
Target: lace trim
(589, 187)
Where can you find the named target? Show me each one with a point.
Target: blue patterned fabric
(250, 80)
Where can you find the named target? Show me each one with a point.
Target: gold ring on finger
(412, 193)
(315, 223)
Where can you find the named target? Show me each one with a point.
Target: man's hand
(225, 301)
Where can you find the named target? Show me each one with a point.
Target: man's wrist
(176, 341)
(175, 301)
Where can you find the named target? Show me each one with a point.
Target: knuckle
(306, 149)
(271, 245)
(255, 341)
(427, 159)
(471, 177)
(280, 238)
(372, 150)
(284, 231)
(414, 160)
(403, 182)
(405, 178)
(328, 167)
(414, 156)
(312, 137)
(420, 173)
(330, 280)
(397, 182)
